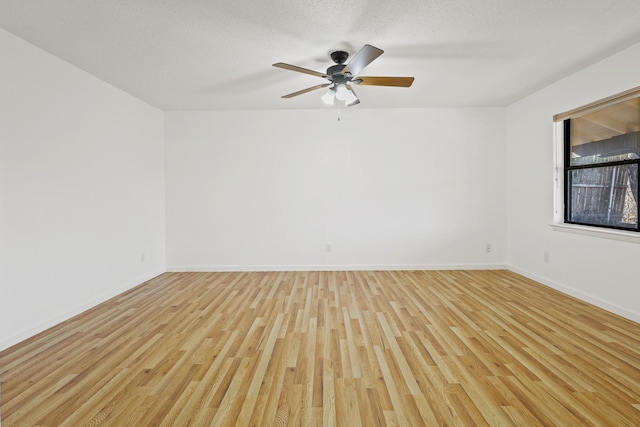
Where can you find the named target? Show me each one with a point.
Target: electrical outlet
(328, 247)
(546, 257)
(487, 248)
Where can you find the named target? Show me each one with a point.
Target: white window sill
(605, 233)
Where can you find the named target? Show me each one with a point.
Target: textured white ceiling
(203, 54)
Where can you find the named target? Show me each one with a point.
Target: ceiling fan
(342, 75)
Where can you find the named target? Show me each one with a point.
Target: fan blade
(299, 69)
(385, 81)
(361, 59)
(309, 89)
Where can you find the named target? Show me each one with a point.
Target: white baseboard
(28, 333)
(332, 267)
(606, 305)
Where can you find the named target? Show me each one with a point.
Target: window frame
(563, 167)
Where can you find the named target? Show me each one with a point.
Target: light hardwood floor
(330, 348)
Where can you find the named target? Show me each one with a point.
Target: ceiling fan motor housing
(335, 71)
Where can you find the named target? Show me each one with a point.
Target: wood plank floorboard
(338, 348)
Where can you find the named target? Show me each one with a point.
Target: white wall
(599, 270)
(81, 190)
(415, 188)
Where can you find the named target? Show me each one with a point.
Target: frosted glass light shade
(329, 96)
(342, 93)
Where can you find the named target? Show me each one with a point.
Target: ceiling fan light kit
(341, 76)
(329, 97)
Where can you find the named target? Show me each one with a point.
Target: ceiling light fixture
(329, 96)
(351, 98)
(341, 92)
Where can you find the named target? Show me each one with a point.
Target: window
(601, 151)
